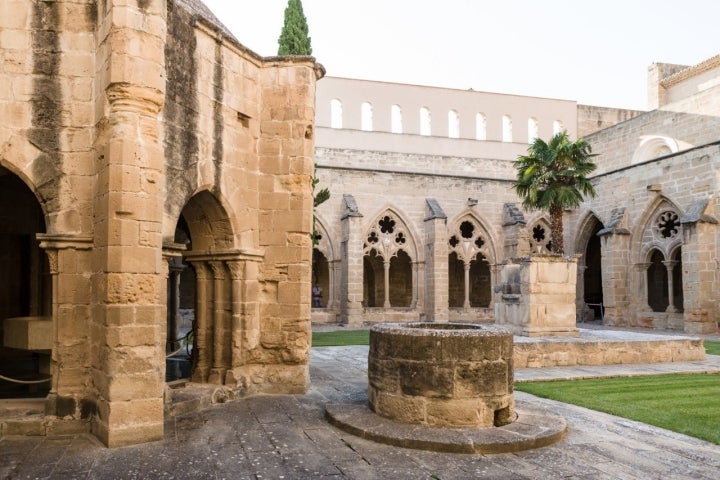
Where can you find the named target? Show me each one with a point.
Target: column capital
(202, 270)
(670, 264)
(236, 269)
(218, 269)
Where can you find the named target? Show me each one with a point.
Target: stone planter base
(538, 296)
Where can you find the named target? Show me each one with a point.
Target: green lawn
(341, 338)
(686, 404)
(712, 348)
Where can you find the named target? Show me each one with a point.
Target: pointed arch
(322, 277)
(390, 262)
(589, 279)
(411, 236)
(539, 233)
(325, 243)
(489, 250)
(646, 234)
(471, 253)
(586, 229)
(656, 237)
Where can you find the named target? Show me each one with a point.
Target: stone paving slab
(287, 437)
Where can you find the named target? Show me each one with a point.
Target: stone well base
(441, 374)
(532, 429)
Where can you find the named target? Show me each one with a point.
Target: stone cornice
(689, 72)
(64, 241)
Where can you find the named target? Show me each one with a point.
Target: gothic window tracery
(663, 263)
(540, 237)
(668, 224)
(468, 270)
(388, 264)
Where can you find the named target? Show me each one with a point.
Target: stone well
(442, 374)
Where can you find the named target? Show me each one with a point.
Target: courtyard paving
(286, 437)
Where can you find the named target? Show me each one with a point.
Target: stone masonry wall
(591, 119)
(121, 116)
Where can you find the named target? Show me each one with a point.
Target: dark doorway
(25, 288)
(592, 278)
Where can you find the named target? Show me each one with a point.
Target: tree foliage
(294, 39)
(553, 177)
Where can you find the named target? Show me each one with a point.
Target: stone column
(614, 248)
(172, 256)
(333, 273)
(68, 256)
(419, 286)
(130, 287)
(641, 300)
(700, 310)
(236, 328)
(580, 307)
(217, 371)
(386, 277)
(201, 344)
(436, 264)
(466, 303)
(351, 286)
(670, 266)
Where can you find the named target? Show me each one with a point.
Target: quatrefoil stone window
(668, 224)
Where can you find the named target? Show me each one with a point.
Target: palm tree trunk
(556, 227)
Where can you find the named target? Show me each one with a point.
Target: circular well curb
(532, 429)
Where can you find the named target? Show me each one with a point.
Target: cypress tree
(294, 39)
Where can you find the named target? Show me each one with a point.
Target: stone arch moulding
(210, 214)
(411, 244)
(640, 245)
(326, 244)
(654, 146)
(209, 222)
(48, 217)
(489, 250)
(586, 226)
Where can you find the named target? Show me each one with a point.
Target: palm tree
(553, 177)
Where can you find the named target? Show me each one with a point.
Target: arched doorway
(592, 276)
(203, 293)
(181, 285)
(25, 290)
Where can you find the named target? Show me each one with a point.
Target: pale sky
(596, 53)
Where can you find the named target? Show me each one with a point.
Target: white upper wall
(383, 98)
